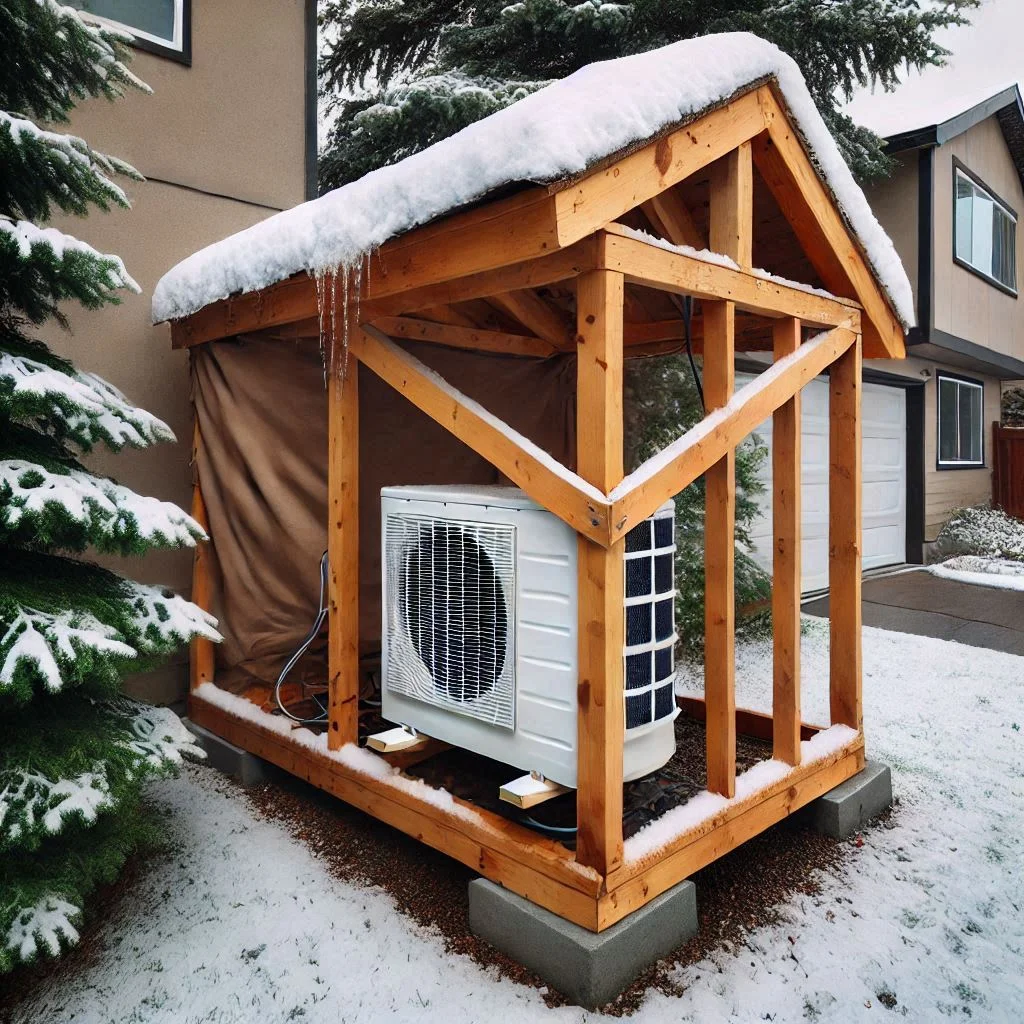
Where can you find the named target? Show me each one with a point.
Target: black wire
(687, 312)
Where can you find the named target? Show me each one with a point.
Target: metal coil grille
(450, 616)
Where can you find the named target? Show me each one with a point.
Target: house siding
(222, 144)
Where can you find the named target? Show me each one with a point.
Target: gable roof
(555, 134)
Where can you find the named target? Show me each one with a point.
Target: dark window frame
(941, 375)
(182, 56)
(960, 168)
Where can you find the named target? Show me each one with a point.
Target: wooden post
(786, 560)
(844, 537)
(343, 553)
(730, 230)
(601, 688)
(201, 656)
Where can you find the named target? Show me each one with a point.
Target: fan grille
(451, 614)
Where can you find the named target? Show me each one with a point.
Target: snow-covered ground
(1004, 573)
(925, 920)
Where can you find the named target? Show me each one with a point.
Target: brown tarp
(262, 413)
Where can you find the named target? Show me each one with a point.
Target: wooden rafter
(536, 315)
(559, 490)
(671, 217)
(473, 338)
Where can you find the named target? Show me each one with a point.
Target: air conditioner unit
(480, 628)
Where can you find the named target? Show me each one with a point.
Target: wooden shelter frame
(569, 234)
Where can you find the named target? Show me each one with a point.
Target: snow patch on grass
(986, 572)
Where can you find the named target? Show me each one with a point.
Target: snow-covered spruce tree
(400, 74)
(73, 751)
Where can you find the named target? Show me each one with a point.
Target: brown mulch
(741, 891)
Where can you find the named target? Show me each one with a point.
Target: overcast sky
(987, 56)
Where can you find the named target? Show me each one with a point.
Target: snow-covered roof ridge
(555, 133)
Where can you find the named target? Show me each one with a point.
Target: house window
(985, 233)
(961, 422)
(161, 26)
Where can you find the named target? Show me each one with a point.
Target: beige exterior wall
(895, 204)
(222, 145)
(966, 305)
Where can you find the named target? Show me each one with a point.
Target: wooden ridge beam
(559, 490)
(819, 227)
(678, 465)
(644, 263)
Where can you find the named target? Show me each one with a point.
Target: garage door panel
(884, 481)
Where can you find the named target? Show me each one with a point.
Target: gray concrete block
(846, 809)
(249, 769)
(589, 968)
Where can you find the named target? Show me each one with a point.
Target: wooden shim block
(201, 651)
(403, 759)
(644, 263)
(526, 306)
(392, 740)
(812, 213)
(473, 338)
(583, 507)
(719, 555)
(535, 867)
(786, 579)
(527, 791)
(844, 538)
(638, 883)
(605, 193)
(748, 722)
(703, 445)
(601, 576)
(343, 554)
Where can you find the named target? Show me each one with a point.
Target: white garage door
(885, 481)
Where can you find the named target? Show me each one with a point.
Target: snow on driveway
(243, 923)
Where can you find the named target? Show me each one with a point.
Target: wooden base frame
(540, 869)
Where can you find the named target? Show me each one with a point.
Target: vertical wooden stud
(786, 560)
(601, 692)
(343, 554)
(844, 537)
(730, 230)
(201, 656)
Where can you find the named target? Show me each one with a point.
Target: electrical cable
(302, 648)
(687, 313)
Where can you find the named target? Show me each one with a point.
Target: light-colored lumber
(605, 193)
(600, 690)
(390, 741)
(844, 538)
(537, 868)
(638, 883)
(704, 444)
(536, 315)
(201, 651)
(812, 213)
(730, 227)
(343, 552)
(528, 466)
(644, 263)
(473, 338)
(448, 315)
(671, 216)
(786, 583)
(528, 791)
(719, 556)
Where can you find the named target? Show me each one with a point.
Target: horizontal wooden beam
(748, 722)
(474, 338)
(683, 461)
(645, 263)
(538, 868)
(556, 488)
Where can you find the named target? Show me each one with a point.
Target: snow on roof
(559, 131)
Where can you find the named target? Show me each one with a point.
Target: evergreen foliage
(73, 751)
(1013, 408)
(380, 44)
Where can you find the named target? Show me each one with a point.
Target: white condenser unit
(480, 628)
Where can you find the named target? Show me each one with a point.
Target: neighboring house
(223, 142)
(951, 208)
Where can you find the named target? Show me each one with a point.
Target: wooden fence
(1008, 469)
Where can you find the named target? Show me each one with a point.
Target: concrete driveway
(918, 602)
